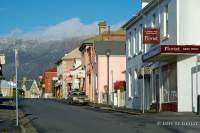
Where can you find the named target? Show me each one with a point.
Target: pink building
(88, 56)
(109, 55)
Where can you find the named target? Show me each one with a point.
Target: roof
(34, 88)
(54, 69)
(141, 13)
(90, 41)
(26, 85)
(115, 47)
(74, 54)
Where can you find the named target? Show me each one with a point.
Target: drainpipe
(143, 92)
(160, 89)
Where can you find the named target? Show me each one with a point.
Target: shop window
(169, 80)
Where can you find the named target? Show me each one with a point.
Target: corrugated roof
(74, 54)
(115, 47)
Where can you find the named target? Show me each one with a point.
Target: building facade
(47, 79)
(70, 73)
(162, 76)
(88, 55)
(108, 70)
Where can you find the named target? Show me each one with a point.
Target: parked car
(72, 97)
(82, 98)
(76, 97)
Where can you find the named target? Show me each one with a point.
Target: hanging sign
(151, 36)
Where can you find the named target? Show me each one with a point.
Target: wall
(48, 81)
(117, 65)
(188, 34)
(188, 22)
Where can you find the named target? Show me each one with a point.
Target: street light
(108, 55)
(16, 79)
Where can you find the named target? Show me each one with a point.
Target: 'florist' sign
(151, 36)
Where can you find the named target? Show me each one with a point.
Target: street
(49, 116)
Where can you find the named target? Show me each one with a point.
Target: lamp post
(108, 55)
(1, 75)
(16, 79)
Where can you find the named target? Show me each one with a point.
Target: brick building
(47, 78)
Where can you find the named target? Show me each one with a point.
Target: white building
(6, 88)
(170, 84)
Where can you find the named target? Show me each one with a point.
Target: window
(154, 20)
(166, 22)
(128, 46)
(131, 44)
(129, 84)
(134, 42)
(136, 84)
(169, 80)
(140, 38)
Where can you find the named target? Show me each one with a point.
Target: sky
(60, 18)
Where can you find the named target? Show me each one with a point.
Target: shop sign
(78, 73)
(151, 36)
(145, 71)
(187, 49)
(2, 59)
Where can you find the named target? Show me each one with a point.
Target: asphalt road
(53, 117)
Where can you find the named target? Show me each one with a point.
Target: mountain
(34, 56)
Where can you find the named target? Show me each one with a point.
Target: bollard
(198, 105)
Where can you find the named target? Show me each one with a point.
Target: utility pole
(16, 66)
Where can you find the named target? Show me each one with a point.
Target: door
(195, 88)
(157, 92)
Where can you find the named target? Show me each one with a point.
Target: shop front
(164, 74)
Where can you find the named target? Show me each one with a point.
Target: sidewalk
(138, 112)
(7, 118)
(115, 109)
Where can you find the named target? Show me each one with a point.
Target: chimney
(102, 27)
(145, 2)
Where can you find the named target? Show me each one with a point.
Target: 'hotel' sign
(151, 36)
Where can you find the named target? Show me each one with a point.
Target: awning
(170, 52)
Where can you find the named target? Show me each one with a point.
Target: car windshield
(74, 94)
(82, 94)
